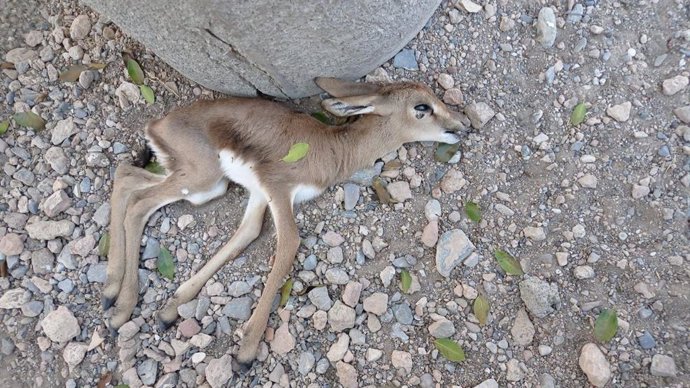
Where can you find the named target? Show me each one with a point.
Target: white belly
(239, 171)
(303, 193)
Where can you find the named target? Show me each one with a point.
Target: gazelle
(210, 143)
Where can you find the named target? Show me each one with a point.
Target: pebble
(319, 298)
(239, 288)
(399, 191)
(33, 38)
(347, 375)
(432, 210)
(470, 6)
(663, 366)
(20, 54)
(14, 298)
(338, 349)
(490, 383)
(402, 359)
(239, 308)
(513, 370)
(479, 114)
(683, 113)
(453, 96)
(80, 28)
(57, 160)
(442, 328)
(11, 244)
(60, 325)
(49, 230)
(86, 78)
(545, 350)
(283, 342)
(639, 191)
(305, 363)
(56, 203)
(534, 233)
(42, 261)
(583, 272)
(341, 317)
(540, 297)
(575, 15)
(351, 195)
(403, 313)
(335, 255)
(430, 234)
(351, 293)
(646, 341)
(337, 276)
(445, 81)
(620, 112)
(452, 248)
(674, 85)
(523, 329)
(452, 181)
(546, 27)
(218, 371)
(405, 59)
(74, 353)
(32, 308)
(377, 303)
(594, 364)
(332, 239)
(588, 181)
(62, 131)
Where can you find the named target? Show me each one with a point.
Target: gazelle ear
(340, 88)
(350, 106)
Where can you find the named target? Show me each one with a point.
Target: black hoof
(164, 325)
(107, 302)
(242, 367)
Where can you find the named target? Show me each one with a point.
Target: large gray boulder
(276, 47)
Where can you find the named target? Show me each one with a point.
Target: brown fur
(188, 142)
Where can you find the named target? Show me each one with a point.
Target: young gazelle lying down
(210, 143)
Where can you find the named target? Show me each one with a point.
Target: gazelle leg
(248, 231)
(288, 243)
(128, 179)
(140, 206)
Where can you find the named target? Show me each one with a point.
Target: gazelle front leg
(288, 243)
(248, 231)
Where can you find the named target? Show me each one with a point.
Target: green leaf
(30, 119)
(481, 309)
(473, 212)
(165, 263)
(135, 72)
(104, 244)
(122, 386)
(285, 292)
(606, 325)
(322, 117)
(155, 168)
(3, 126)
(72, 73)
(578, 115)
(450, 349)
(381, 191)
(147, 93)
(445, 152)
(405, 280)
(296, 153)
(509, 264)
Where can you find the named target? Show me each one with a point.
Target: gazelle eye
(422, 108)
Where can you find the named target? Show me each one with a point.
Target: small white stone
(620, 112)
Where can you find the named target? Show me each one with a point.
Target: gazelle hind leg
(248, 231)
(128, 179)
(140, 205)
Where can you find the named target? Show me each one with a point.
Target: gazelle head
(411, 108)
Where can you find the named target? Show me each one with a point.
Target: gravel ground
(597, 214)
